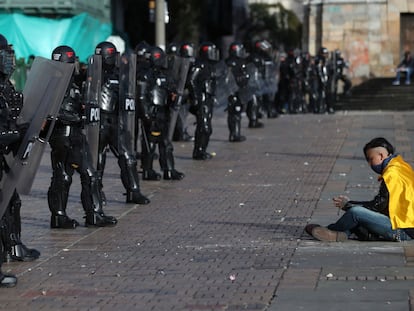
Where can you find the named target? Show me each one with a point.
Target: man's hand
(340, 201)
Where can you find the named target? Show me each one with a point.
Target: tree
(273, 22)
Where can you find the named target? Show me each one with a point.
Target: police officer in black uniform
(202, 87)
(324, 79)
(70, 153)
(156, 89)
(180, 130)
(109, 128)
(340, 66)
(262, 58)
(236, 62)
(11, 102)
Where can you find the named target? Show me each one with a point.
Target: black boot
(21, 252)
(7, 280)
(137, 198)
(200, 147)
(62, 222)
(254, 124)
(99, 219)
(234, 124)
(201, 155)
(150, 175)
(173, 175)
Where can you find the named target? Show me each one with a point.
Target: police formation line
(128, 104)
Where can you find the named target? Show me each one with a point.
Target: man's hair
(379, 142)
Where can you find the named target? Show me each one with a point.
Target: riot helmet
(142, 49)
(323, 51)
(209, 51)
(338, 53)
(186, 50)
(64, 54)
(238, 50)
(263, 47)
(172, 48)
(158, 57)
(7, 59)
(108, 51)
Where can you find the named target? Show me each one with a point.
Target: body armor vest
(110, 95)
(159, 91)
(71, 109)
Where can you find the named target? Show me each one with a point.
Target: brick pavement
(230, 235)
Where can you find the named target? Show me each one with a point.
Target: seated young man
(390, 215)
(406, 66)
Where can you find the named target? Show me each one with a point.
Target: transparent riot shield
(246, 93)
(126, 117)
(226, 83)
(179, 71)
(255, 79)
(92, 93)
(271, 78)
(42, 96)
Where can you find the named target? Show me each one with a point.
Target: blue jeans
(408, 72)
(377, 223)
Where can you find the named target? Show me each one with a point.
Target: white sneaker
(396, 83)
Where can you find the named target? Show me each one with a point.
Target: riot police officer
(310, 84)
(70, 153)
(202, 86)
(236, 62)
(340, 66)
(296, 97)
(109, 128)
(174, 52)
(324, 81)
(156, 90)
(262, 58)
(11, 102)
(143, 66)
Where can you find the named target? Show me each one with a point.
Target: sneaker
(326, 235)
(396, 83)
(407, 82)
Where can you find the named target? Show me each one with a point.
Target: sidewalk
(230, 235)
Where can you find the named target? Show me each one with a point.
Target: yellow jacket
(398, 175)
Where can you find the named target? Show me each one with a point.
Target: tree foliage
(276, 24)
(184, 20)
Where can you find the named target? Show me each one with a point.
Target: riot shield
(92, 93)
(43, 94)
(226, 83)
(126, 116)
(271, 78)
(255, 79)
(179, 71)
(246, 93)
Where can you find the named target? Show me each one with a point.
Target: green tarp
(39, 36)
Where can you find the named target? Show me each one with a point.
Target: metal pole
(160, 23)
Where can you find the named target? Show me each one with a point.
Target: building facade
(372, 34)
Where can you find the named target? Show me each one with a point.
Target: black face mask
(379, 168)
